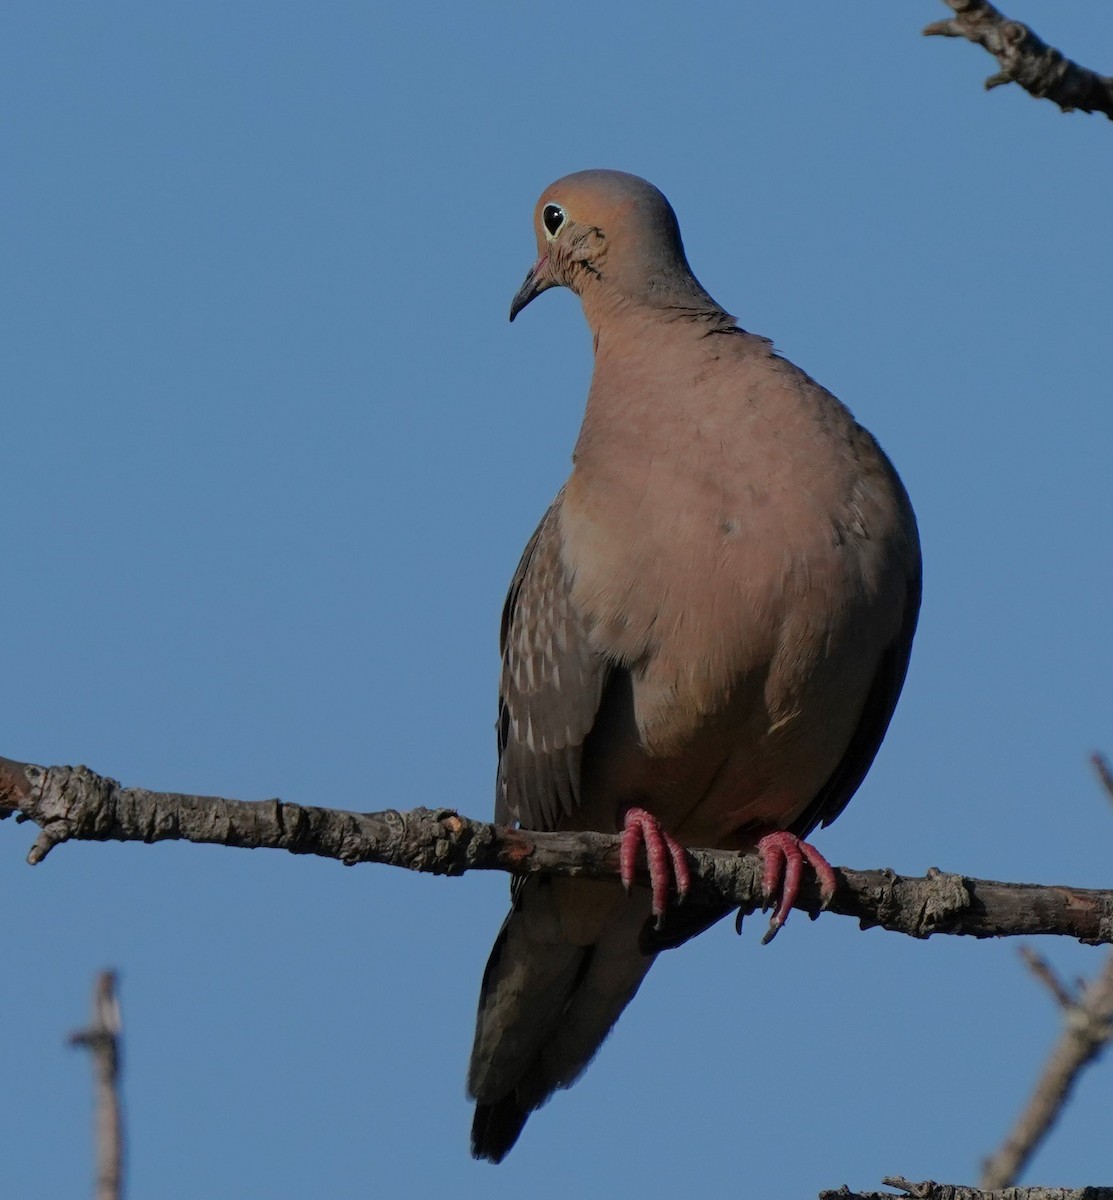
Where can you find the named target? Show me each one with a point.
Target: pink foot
(783, 855)
(664, 855)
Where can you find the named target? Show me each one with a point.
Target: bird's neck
(613, 316)
(668, 300)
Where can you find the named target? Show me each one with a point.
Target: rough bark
(930, 1190)
(74, 803)
(1025, 59)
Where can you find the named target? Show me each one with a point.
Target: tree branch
(1025, 59)
(74, 803)
(1087, 1030)
(102, 1039)
(930, 1190)
(1064, 996)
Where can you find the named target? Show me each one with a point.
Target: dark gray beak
(533, 286)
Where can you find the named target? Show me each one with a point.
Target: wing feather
(549, 690)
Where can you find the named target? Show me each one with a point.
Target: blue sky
(271, 451)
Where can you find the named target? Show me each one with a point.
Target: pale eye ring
(553, 218)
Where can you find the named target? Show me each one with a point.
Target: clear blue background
(271, 450)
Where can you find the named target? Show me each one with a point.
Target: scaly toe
(665, 857)
(783, 857)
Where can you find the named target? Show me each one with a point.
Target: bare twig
(102, 1039)
(73, 802)
(930, 1190)
(1104, 772)
(1045, 973)
(1088, 1029)
(1025, 59)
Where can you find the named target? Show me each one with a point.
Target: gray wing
(549, 690)
(877, 712)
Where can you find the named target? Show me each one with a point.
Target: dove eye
(552, 217)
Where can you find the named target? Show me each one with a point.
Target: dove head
(614, 240)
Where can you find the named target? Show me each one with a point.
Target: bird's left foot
(664, 855)
(783, 856)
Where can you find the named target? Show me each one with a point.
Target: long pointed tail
(564, 966)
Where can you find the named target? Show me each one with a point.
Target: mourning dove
(703, 643)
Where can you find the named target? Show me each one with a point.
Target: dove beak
(535, 283)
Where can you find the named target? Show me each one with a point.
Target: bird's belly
(741, 773)
(745, 650)
(721, 765)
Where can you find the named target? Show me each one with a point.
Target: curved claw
(664, 855)
(783, 856)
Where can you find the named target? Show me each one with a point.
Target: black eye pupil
(553, 216)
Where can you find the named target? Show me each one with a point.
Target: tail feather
(495, 1128)
(548, 1001)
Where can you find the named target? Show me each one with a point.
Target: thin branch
(74, 803)
(1104, 773)
(102, 1039)
(1025, 59)
(930, 1190)
(1045, 973)
(1087, 1030)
